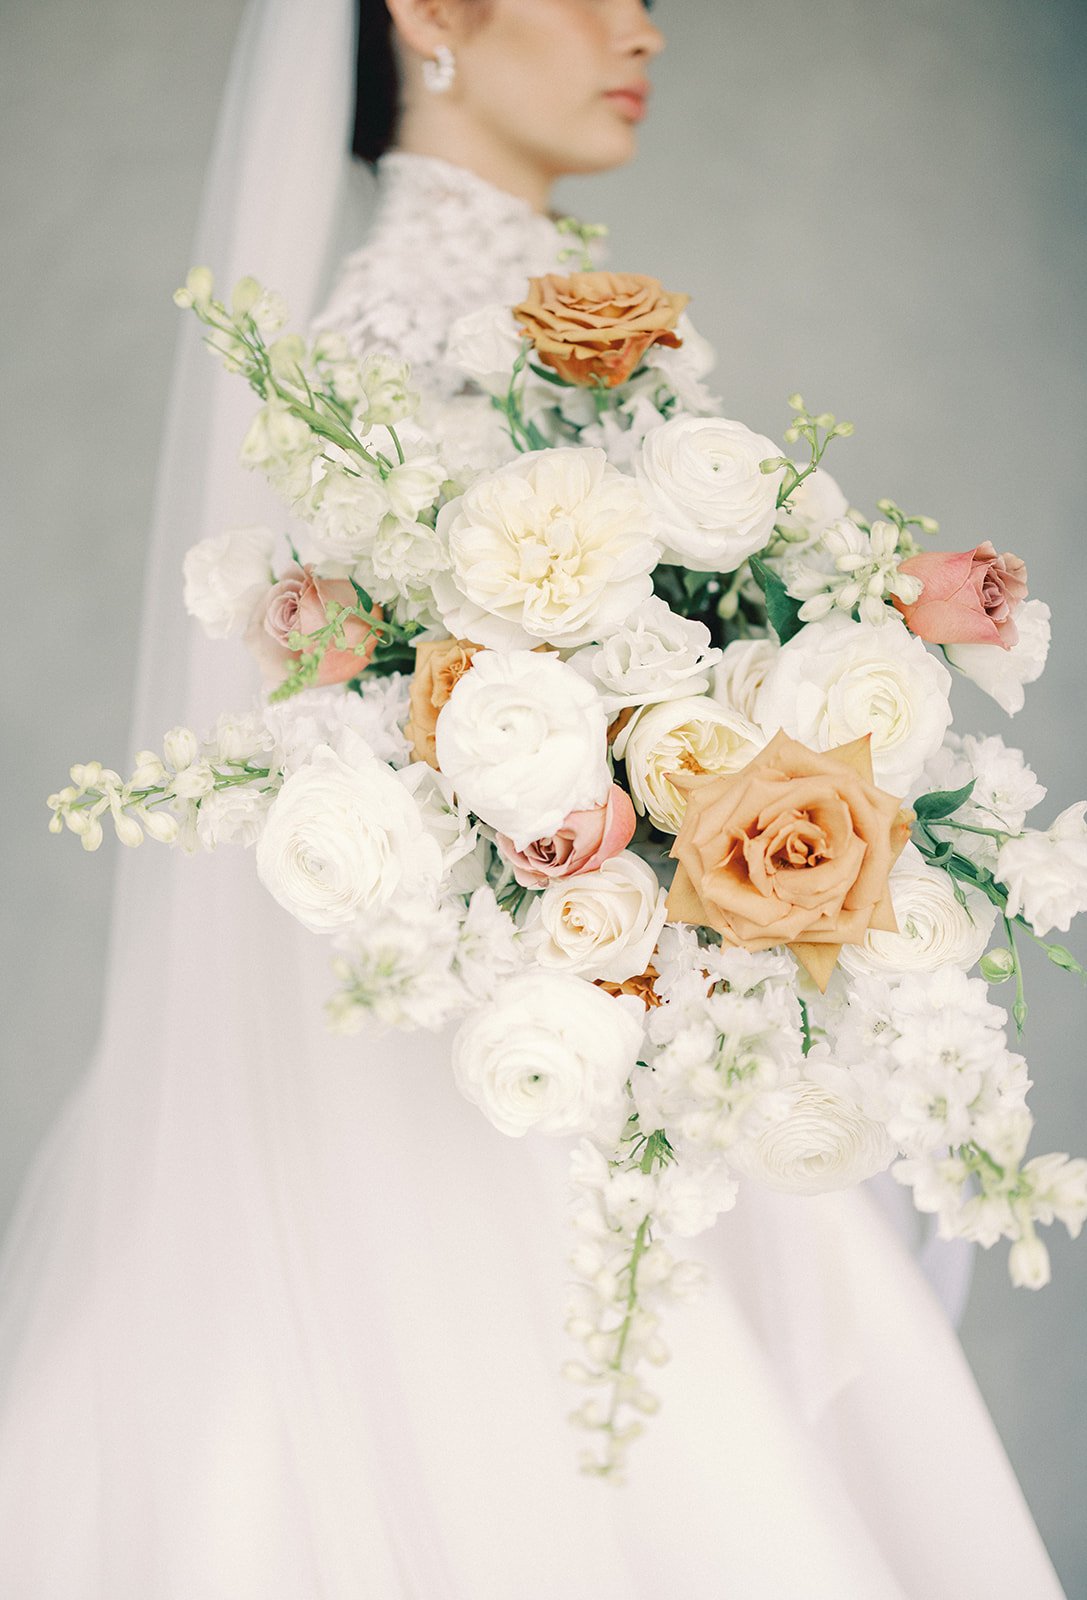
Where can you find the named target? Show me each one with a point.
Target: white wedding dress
(281, 1314)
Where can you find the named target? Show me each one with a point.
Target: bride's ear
(423, 25)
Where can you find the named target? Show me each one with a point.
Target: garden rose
(523, 740)
(712, 505)
(552, 548)
(596, 326)
(299, 601)
(654, 655)
(601, 924)
(794, 849)
(664, 742)
(967, 596)
(439, 666)
(551, 1053)
(583, 841)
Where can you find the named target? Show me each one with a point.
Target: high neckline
(434, 173)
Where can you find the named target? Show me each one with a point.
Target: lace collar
(456, 201)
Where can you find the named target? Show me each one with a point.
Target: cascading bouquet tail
(623, 743)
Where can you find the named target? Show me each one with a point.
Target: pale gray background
(880, 205)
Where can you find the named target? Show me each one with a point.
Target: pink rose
(967, 596)
(584, 842)
(298, 600)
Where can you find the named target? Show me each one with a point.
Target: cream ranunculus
(654, 655)
(713, 506)
(839, 680)
(552, 548)
(225, 576)
(690, 735)
(342, 837)
(823, 1142)
(934, 929)
(550, 1053)
(741, 672)
(523, 740)
(601, 924)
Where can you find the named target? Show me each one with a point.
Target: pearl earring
(438, 74)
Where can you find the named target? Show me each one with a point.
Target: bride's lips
(632, 102)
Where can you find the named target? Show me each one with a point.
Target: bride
(281, 1314)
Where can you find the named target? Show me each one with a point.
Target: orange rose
(598, 325)
(641, 987)
(440, 664)
(794, 849)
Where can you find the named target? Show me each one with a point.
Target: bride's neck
(463, 145)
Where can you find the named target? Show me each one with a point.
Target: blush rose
(967, 596)
(298, 602)
(582, 843)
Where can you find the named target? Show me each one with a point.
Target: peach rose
(640, 987)
(583, 843)
(298, 601)
(598, 325)
(440, 664)
(794, 849)
(967, 596)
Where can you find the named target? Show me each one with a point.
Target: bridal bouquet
(626, 745)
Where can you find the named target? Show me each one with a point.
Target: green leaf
(782, 610)
(942, 802)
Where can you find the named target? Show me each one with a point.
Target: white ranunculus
(232, 816)
(550, 1053)
(342, 837)
(523, 740)
(654, 655)
(350, 507)
(739, 675)
(601, 924)
(225, 577)
(839, 680)
(1045, 874)
(713, 507)
(934, 929)
(823, 1142)
(1003, 673)
(555, 548)
(690, 735)
(484, 345)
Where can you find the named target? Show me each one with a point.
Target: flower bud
(247, 291)
(180, 748)
(161, 826)
(199, 283)
(287, 354)
(85, 774)
(997, 966)
(91, 837)
(1028, 1262)
(127, 828)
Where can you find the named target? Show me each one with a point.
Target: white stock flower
(823, 1142)
(684, 366)
(342, 837)
(839, 680)
(225, 576)
(694, 734)
(692, 1193)
(489, 948)
(653, 655)
(283, 448)
(484, 345)
(396, 969)
(1005, 789)
(241, 736)
(1045, 874)
(445, 821)
(350, 507)
(813, 505)
(551, 1053)
(1003, 673)
(523, 740)
(934, 929)
(712, 505)
(601, 924)
(403, 557)
(847, 568)
(334, 714)
(740, 673)
(555, 547)
(233, 816)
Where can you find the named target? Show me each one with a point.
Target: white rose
(713, 506)
(654, 655)
(934, 930)
(349, 509)
(1002, 673)
(838, 680)
(1045, 874)
(823, 1142)
(225, 576)
(601, 924)
(485, 345)
(232, 816)
(551, 1053)
(523, 740)
(740, 674)
(692, 735)
(342, 837)
(554, 547)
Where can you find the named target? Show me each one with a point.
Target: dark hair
(377, 83)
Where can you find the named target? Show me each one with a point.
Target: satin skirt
(281, 1319)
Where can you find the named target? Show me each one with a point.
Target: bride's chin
(611, 143)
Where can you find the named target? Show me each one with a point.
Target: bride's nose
(638, 34)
